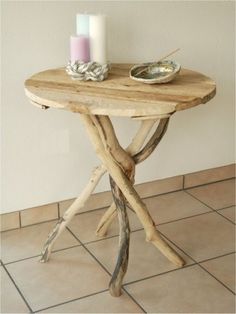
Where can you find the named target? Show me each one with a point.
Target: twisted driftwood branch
(97, 173)
(153, 142)
(124, 239)
(124, 184)
(123, 160)
(89, 188)
(132, 149)
(138, 157)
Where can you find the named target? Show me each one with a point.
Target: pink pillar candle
(79, 48)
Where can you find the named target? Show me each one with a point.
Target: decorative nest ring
(85, 71)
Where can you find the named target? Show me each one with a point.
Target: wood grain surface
(119, 95)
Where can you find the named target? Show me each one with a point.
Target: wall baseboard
(55, 210)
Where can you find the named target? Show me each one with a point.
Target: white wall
(46, 155)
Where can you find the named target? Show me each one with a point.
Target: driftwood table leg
(122, 260)
(138, 157)
(82, 199)
(126, 163)
(117, 166)
(135, 145)
(97, 173)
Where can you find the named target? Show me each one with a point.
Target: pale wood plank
(119, 95)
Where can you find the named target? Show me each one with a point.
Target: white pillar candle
(97, 33)
(82, 24)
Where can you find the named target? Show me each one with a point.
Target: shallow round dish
(155, 73)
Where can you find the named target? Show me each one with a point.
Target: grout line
(86, 212)
(216, 279)
(157, 225)
(224, 217)
(183, 182)
(20, 220)
(34, 256)
(113, 236)
(109, 237)
(106, 238)
(97, 209)
(102, 239)
(35, 224)
(135, 301)
(160, 194)
(22, 259)
(214, 210)
(154, 195)
(89, 211)
(193, 196)
(55, 220)
(58, 210)
(203, 184)
(129, 283)
(143, 198)
(17, 288)
(157, 275)
(103, 267)
(183, 218)
(185, 266)
(219, 256)
(195, 263)
(73, 300)
(12, 229)
(199, 263)
(90, 253)
(226, 207)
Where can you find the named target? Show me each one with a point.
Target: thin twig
(162, 58)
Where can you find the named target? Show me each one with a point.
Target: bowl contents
(154, 73)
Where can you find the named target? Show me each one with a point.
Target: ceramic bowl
(155, 73)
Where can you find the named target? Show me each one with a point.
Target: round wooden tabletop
(119, 95)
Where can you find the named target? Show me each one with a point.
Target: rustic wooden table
(119, 96)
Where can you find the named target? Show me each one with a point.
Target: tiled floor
(198, 223)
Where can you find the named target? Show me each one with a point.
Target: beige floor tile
(9, 221)
(97, 200)
(68, 275)
(162, 208)
(28, 241)
(11, 300)
(209, 175)
(39, 214)
(99, 303)
(216, 195)
(202, 237)
(229, 213)
(223, 268)
(156, 187)
(174, 206)
(147, 189)
(84, 226)
(144, 259)
(189, 290)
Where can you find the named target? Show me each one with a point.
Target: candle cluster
(90, 42)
